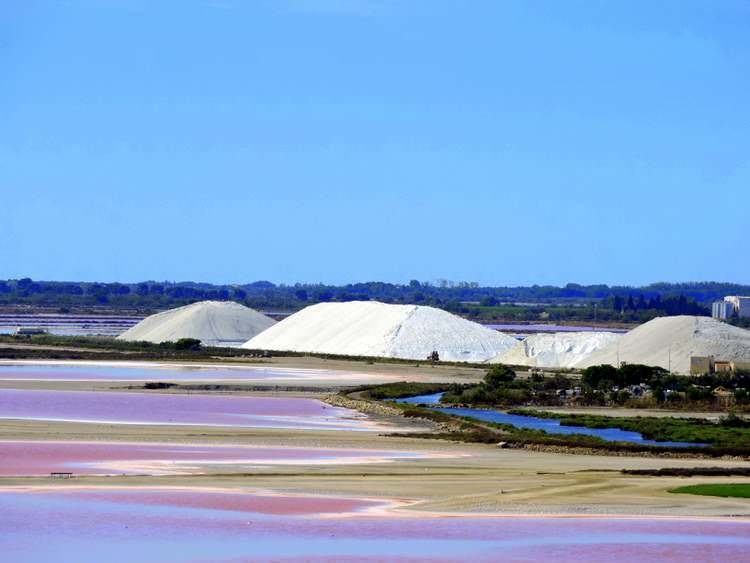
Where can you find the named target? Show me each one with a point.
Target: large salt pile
(214, 323)
(369, 328)
(654, 342)
(556, 350)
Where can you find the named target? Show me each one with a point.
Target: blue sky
(504, 142)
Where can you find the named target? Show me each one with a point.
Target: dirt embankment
(366, 407)
(576, 450)
(382, 412)
(461, 430)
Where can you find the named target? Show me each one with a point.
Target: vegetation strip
(729, 437)
(631, 385)
(571, 303)
(731, 433)
(733, 490)
(690, 472)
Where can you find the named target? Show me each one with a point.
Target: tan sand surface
(484, 479)
(333, 372)
(480, 479)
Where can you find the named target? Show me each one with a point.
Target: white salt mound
(214, 323)
(681, 337)
(556, 350)
(370, 328)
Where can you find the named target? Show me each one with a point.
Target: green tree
(594, 375)
(498, 376)
(187, 344)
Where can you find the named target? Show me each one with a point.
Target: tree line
(572, 301)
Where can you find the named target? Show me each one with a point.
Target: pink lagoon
(23, 458)
(193, 409)
(219, 525)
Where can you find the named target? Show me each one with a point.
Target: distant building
(724, 396)
(740, 304)
(722, 310)
(700, 365)
(29, 331)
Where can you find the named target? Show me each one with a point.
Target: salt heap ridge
(556, 350)
(214, 323)
(370, 328)
(672, 341)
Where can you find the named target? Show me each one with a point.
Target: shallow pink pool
(96, 458)
(150, 525)
(155, 371)
(164, 408)
(158, 372)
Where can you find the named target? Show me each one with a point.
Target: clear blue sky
(504, 142)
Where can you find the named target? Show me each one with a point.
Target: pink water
(197, 525)
(91, 458)
(247, 503)
(164, 408)
(156, 372)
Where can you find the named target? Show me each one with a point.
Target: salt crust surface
(556, 350)
(370, 328)
(680, 337)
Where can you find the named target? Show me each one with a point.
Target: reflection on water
(432, 399)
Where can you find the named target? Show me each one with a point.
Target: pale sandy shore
(382, 506)
(306, 370)
(484, 479)
(462, 479)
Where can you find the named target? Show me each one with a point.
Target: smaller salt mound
(214, 323)
(556, 350)
(370, 328)
(680, 337)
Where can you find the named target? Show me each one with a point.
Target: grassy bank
(731, 437)
(730, 434)
(468, 429)
(734, 490)
(690, 472)
(404, 389)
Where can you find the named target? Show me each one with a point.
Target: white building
(722, 310)
(740, 304)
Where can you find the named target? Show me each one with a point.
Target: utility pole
(670, 359)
